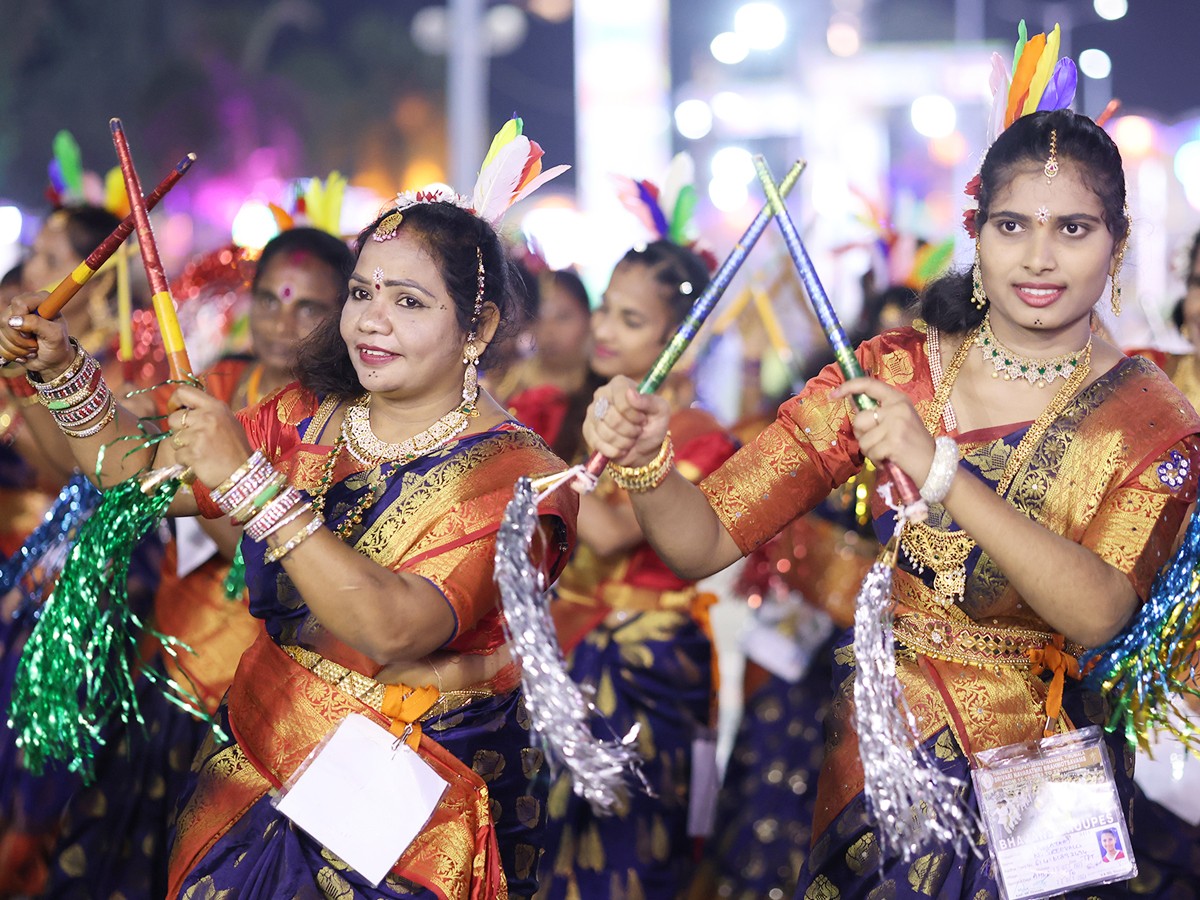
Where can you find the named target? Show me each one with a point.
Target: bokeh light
(729, 48)
(1095, 63)
(933, 116)
(763, 26)
(1110, 9)
(10, 224)
(693, 119)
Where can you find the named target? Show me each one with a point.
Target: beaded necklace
(1010, 366)
(946, 552)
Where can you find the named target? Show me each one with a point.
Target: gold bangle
(72, 370)
(93, 430)
(244, 511)
(276, 554)
(638, 479)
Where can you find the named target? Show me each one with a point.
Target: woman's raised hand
(627, 427)
(892, 430)
(53, 354)
(206, 436)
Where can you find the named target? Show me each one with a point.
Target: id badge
(363, 794)
(1053, 816)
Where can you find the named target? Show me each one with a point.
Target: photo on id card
(1053, 816)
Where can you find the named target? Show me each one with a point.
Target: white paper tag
(1053, 815)
(783, 637)
(705, 785)
(193, 546)
(362, 796)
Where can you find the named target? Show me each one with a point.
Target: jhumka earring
(1115, 297)
(978, 298)
(470, 391)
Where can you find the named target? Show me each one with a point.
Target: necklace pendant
(950, 584)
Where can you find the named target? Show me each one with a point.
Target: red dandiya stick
(82, 273)
(164, 307)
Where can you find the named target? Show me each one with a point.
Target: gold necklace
(371, 451)
(946, 552)
(1038, 372)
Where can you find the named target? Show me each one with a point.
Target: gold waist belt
(971, 645)
(637, 599)
(369, 691)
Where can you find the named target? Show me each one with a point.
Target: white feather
(495, 186)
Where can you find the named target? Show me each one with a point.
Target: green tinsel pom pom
(79, 665)
(235, 578)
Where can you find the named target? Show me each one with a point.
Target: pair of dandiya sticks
(139, 219)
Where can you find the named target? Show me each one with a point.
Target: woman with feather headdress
(382, 629)
(1058, 481)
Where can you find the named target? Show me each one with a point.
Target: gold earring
(470, 391)
(978, 297)
(1115, 297)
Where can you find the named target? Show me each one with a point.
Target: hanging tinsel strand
(560, 713)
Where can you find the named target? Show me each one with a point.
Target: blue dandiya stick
(906, 489)
(690, 326)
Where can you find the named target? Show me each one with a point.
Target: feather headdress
(1039, 80)
(319, 205)
(511, 171)
(667, 212)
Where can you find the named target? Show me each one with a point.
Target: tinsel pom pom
(78, 667)
(235, 579)
(73, 505)
(559, 711)
(915, 804)
(1147, 669)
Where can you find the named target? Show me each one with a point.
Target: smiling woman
(370, 493)
(1058, 481)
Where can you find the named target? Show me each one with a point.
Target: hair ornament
(318, 205)
(667, 212)
(511, 171)
(1039, 81)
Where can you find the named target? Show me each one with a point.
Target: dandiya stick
(82, 273)
(906, 489)
(686, 332)
(178, 363)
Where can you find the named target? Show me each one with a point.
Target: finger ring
(186, 410)
(602, 406)
(875, 415)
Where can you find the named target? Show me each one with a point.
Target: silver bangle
(941, 471)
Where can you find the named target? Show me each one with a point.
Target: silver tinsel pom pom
(557, 707)
(915, 805)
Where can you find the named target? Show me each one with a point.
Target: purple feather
(56, 177)
(660, 221)
(1060, 89)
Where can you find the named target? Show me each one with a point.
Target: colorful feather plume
(1040, 80)
(323, 203)
(69, 164)
(668, 212)
(511, 171)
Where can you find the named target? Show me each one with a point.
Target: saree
(1115, 472)
(436, 518)
(637, 636)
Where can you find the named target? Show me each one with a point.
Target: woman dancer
(1051, 533)
(387, 438)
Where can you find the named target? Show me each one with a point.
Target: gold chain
(946, 552)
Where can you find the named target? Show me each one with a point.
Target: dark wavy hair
(451, 235)
(946, 302)
(320, 245)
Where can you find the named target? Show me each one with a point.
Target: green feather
(509, 132)
(1022, 39)
(681, 217)
(70, 163)
(936, 261)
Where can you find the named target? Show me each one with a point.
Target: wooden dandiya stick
(178, 364)
(82, 273)
(906, 490)
(688, 328)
